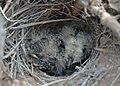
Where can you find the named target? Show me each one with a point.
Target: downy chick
(73, 44)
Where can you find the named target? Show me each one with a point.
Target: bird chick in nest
(69, 49)
(60, 50)
(74, 45)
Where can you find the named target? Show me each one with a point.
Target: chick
(74, 47)
(56, 52)
(73, 44)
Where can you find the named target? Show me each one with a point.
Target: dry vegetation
(25, 20)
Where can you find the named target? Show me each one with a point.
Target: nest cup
(56, 50)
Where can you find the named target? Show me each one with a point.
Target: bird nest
(49, 41)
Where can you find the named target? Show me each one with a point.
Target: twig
(10, 34)
(53, 82)
(14, 24)
(6, 16)
(81, 71)
(7, 5)
(29, 7)
(6, 56)
(22, 72)
(85, 82)
(113, 82)
(12, 64)
(39, 23)
(32, 74)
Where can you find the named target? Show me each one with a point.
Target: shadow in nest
(58, 50)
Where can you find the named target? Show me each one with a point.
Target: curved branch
(96, 8)
(107, 19)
